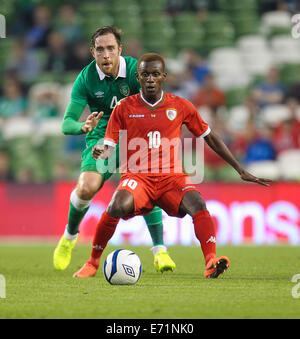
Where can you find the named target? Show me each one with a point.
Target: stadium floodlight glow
(2, 26)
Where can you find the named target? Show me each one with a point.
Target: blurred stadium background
(235, 60)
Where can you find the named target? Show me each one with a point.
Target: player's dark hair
(148, 57)
(107, 30)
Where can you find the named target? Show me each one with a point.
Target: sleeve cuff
(205, 133)
(110, 143)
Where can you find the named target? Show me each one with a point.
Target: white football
(122, 267)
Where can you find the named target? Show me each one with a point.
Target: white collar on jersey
(122, 70)
(148, 103)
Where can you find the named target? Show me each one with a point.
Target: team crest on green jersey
(124, 89)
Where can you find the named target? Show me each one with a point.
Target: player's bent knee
(85, 192)
(88, 185)
(121, 204)
(191, 203)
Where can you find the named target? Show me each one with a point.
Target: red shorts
(165, 191)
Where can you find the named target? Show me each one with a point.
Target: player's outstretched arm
(216, 144)
(70, 124)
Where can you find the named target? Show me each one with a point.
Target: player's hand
(98, 151)
(246, 176)
(91, 121)
(101, 152)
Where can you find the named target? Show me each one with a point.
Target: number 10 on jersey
(154, 139)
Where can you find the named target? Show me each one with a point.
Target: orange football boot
(215, 267)
(86, 271)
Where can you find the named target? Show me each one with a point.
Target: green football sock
(155, 226)
(74, 219)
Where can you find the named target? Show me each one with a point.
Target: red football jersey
(150, 141)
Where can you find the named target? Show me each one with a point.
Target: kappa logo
(136, 115)
(98, 248)
(211, 239)
(171, 113)
(128, 270)
(99, 94)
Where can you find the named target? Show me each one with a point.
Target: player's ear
(120, 49)
(137, 76)
(165, 75)
(92, 50)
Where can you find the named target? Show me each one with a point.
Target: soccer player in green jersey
(107, 79)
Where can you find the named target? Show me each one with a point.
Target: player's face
(151, 77)
(107, 54)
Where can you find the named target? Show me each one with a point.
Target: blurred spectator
(287, 133)
(293, 91)
(60, 171)
(44, 100)
(37, 36)
(291, 6)
(278, 5)
(79, 57)
(197, 65)
(5, 171)
(174, 6)
(133, 48)
(25, 176)
(24, 63)
(68, 24)
(188, 83)
(247, 131)
(176, 85)
(209, 94)
(23, 14)
(13, 102)
(270, 91)
(261, 147)
(47, 106)
(57, 53)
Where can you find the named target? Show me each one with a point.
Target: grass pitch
(258, 284)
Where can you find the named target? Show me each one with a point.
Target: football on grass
(122, 267)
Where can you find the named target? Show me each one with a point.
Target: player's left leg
(162, 259)
(193, 204)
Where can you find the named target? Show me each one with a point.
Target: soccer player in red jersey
(152, 120)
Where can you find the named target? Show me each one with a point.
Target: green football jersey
(102, 92)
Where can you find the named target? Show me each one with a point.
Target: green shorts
(105, 167)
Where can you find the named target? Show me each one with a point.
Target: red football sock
(105, 230)
(206, 233)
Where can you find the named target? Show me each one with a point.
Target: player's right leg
(126, 201)
(122, 203)
(88, 184)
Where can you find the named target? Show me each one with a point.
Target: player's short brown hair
(148, 57)
(107, 30)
